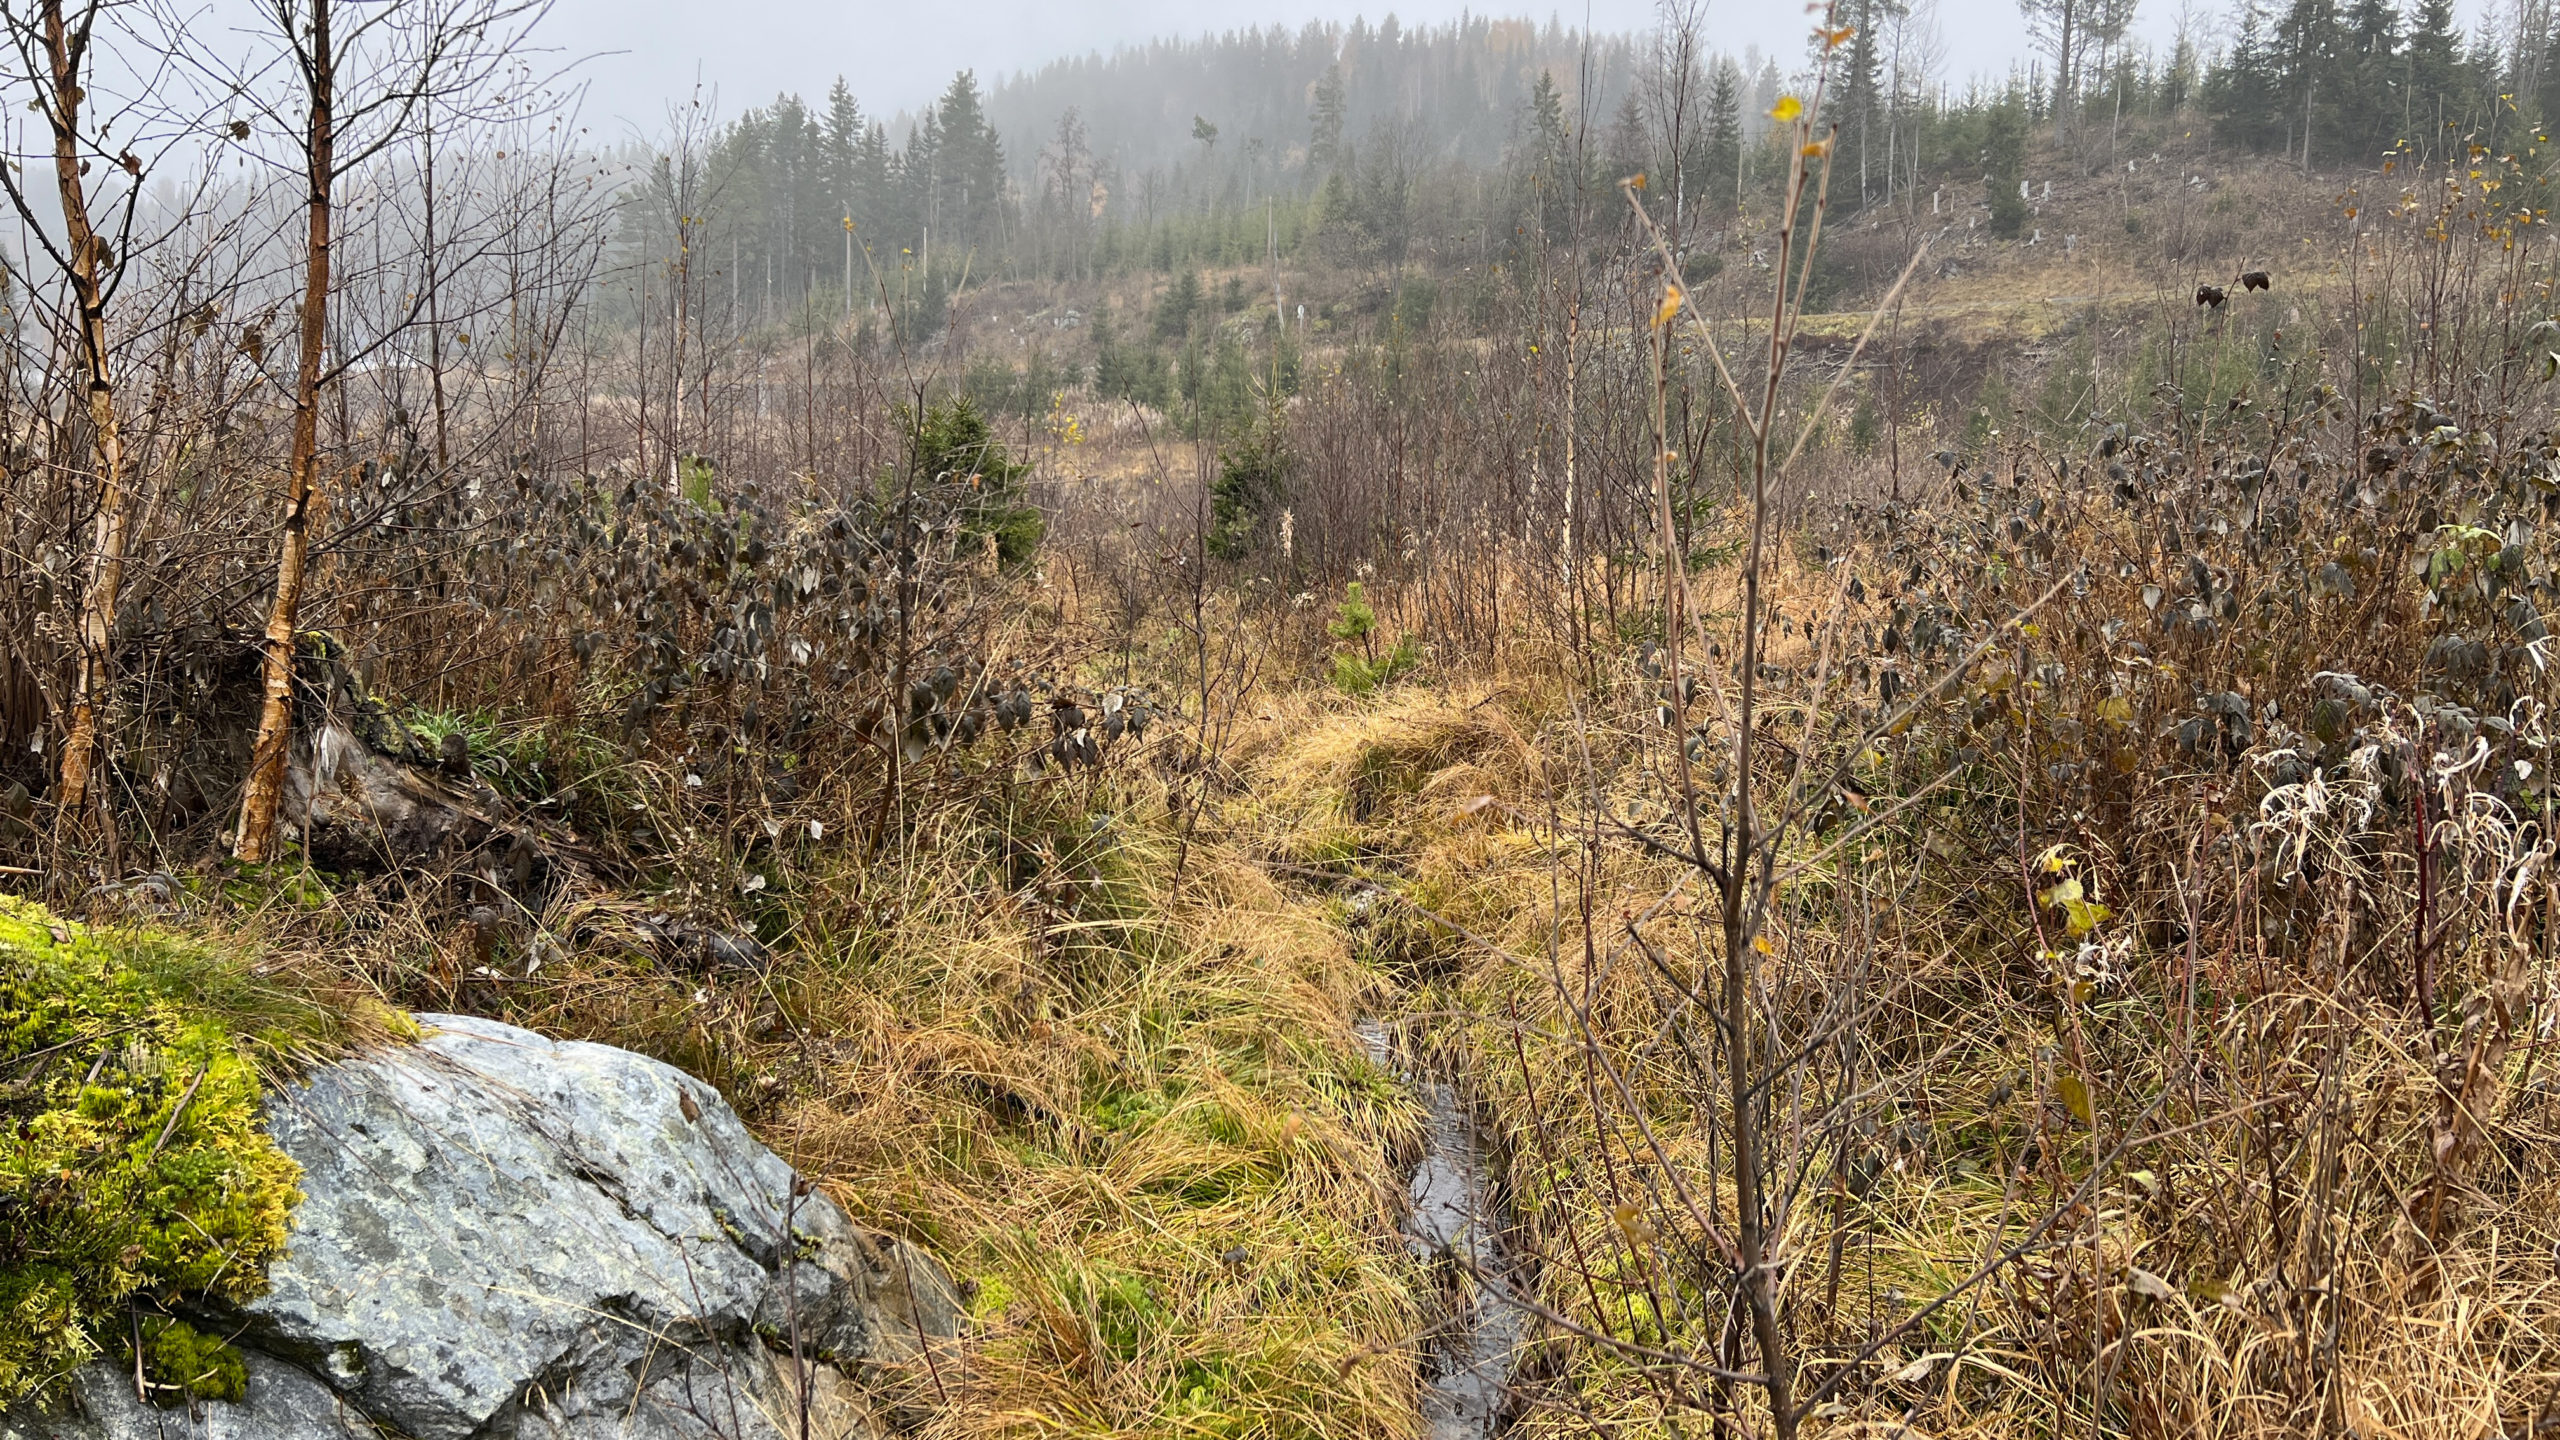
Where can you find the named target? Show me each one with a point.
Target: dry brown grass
(1127, 1111)
(2238, 1239)
(1089, 1088)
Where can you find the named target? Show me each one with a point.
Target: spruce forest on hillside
(1906, 714)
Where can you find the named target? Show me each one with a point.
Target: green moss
(993, 1295)
(180, 1361)
(133, 1161)
(289, 882)
(1125, 1315)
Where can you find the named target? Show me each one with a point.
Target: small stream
(1471, 1353)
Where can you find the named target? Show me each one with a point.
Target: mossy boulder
(476, 1234)
(136, 1172)
(509, 1237)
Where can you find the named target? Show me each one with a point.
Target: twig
(1814, 417)
(76, 1040)
(181, 1109)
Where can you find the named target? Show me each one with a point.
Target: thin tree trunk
(433, 265)
(264, 792)
(683, 275)
(90, 266)
(2308, 90)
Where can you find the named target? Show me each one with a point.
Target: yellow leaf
(1671, 298)
(2084, 916)
(1761, 944)
(1817, 149)
(1787, 108)
(2116, 710)
(2075, 1097)
(1632, 1224)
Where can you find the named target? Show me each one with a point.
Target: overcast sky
(897, 53)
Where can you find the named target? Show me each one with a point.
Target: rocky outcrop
(506, 1237)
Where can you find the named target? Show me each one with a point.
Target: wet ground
(1455, 1224)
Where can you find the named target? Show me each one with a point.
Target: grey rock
(506, 1237)
(283, 1401)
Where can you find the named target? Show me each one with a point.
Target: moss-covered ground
(135, 1171)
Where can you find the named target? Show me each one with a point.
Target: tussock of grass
(1336, 784)
(1127, 1112)
(1180, 1220)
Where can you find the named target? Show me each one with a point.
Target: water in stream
(1453, 1221)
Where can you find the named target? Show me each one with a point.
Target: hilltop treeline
(1226, 149)
(1280, 104)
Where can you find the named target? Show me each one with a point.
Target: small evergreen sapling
(1354, 620)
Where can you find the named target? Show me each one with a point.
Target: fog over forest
(650, 52)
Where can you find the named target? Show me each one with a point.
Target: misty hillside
(1220, 150)
(1281, 102)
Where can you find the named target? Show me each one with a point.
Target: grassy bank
(1107, 1076)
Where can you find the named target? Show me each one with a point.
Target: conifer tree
(1324, 133)
(845, 129)
(874, 169)
(969, 174)
(2178, 83)
(1857, 106)
(2370, 80)
(1626, 148)
(2242, 93)
(2308, 56)
(2004, 164)
(1723, 178)
(2437, 90)
(1554, 187)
